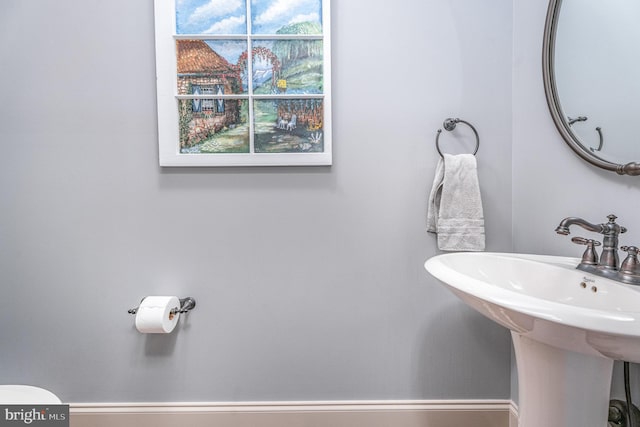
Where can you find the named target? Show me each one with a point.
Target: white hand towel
(455, 206)
(434, 198)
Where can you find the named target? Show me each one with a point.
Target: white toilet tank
(26, 394)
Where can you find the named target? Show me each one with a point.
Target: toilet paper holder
(186, 304)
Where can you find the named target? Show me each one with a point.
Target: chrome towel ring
(450, 124)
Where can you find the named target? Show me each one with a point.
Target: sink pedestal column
(561, 388)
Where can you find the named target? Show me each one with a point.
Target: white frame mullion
(252, 148)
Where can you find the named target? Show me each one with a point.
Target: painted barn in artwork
(201, 71)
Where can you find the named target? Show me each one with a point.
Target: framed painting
(243, 82)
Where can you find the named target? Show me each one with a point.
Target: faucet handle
(589, 257)
(631, 264)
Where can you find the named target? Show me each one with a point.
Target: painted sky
(230, 16)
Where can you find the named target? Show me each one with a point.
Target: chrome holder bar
(186, 304)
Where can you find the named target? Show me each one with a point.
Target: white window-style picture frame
(243, 82)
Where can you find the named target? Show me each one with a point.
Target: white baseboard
(513, 415)
(423, 413)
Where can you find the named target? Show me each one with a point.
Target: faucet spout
(563, 227)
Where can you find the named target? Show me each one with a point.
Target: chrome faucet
(610, 230)
(608, 264)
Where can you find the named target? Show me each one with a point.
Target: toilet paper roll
(154, 314)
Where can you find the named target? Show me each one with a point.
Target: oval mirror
(591, 79)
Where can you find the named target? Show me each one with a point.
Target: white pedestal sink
(567, 326)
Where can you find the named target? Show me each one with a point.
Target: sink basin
(547, 299)
(567, 327)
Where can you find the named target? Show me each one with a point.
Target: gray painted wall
(551, 182)
(309, 281)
